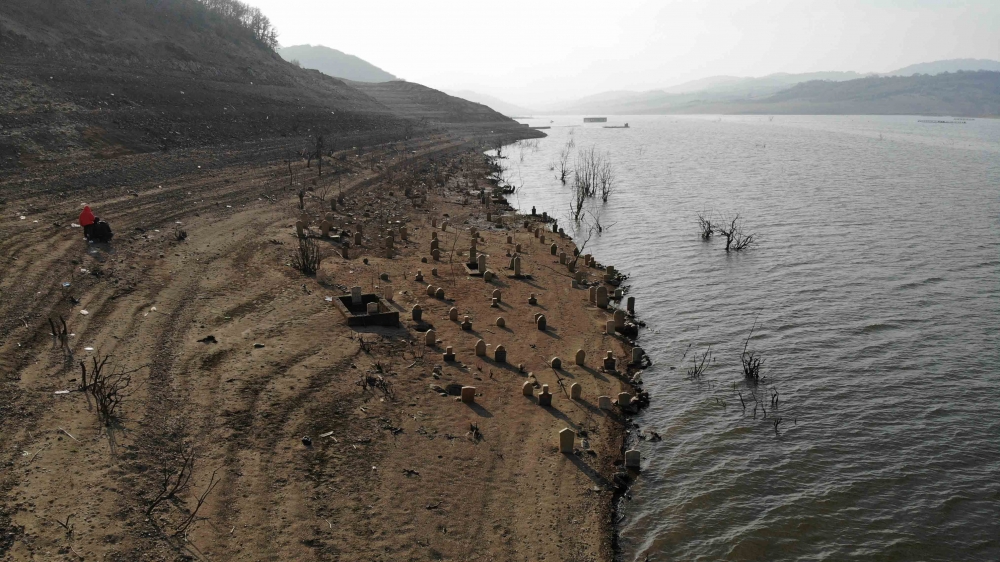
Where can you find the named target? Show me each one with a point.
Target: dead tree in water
(705, 225)
(750, 360)
(737, 239)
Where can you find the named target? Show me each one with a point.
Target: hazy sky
(537, 51)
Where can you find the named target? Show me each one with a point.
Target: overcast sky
(537, 51)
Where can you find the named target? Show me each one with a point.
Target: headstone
(453, 314)
(481, 264)
(434, 272)
(430, 338)
(619, 318)
(632, 458)
(373, 308)
(545, 216)
(489, 216)
(360, 228)
(536, 232)
(430, 290)
(575, 391)
(566, 439)
(345, 252)
(501, 322)
(434, 223)
(439, 293)
(389, 243)
(495, 304)
(444, 226)
(545, 398)
(419, 277)
(556, 363)
(403, 234)
(466, 324)
(355, 295)
(602, 297)
(487, 276)
(468, 394)
(510, 239)
(532, 300)
(540, 322)
(480, 348)
(630, 306)
(434, 245)
(532, 210)
(581, 357)
(324, 228)
(497, 295)
(517, 248)
(436, 254)
(619, 294)
(434, 235)
(562, 258)
(553, 249)
(527, 389)
(472, 254)
(449, 354)
(299, 226)
(609, 327)
(637, 354)
(417, 313)
(593, 294)
(609, 362)
(604, 402)
(500, 354)
(624, 399)
(357, 238)
(517, 266)
(387, 292)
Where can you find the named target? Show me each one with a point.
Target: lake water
(876, 291)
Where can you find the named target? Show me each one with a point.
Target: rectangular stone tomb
(472, 268)
(357, 313)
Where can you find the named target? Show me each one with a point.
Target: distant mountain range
(496, 104)
(334, 63)
(780, 93)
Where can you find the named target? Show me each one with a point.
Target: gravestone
(553, 249)
(624, 399)
(439, 293)
(481, 264)
(403, 234)
(609, 362)
(480, 348)
(345, 251)
(430, 338)
(545, 398)
(449, 354)
(540, 322)
(604, 402)
(453, 314)
(517, 266)
(434, 235)
(556, 363)
(619, 318)
(360, 228)
(299, 226)
(489, 216)
(532, 300)
(510, 239)
(541, 239)
(630, 305)
(468, 394)
(324, 228)
(562, 258)
(602, 297)
(575, 391)
(501, 322)
(357, 238)
(495, 304)
(581, 357)
(419, 277)
(536, 233)
(632, 458)
(487, 276)
(609, 327)
(637, 354)
(619, 294)
(373, 308)
(387, 292)
(417, 313)
(566, 439)
(355, 295)
(527, 389)
(517, 248)
(430, 290)
(467, 324)
(436, 254)
(434, 245)
(434, 271)
(500, 354)
(593, 294)
(434, 223)
(497, 295)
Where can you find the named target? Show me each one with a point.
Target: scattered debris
(208, 339)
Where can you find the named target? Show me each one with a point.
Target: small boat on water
(939, 121)
(625, 126)
(595, 119)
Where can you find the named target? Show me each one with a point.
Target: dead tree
(751, 361)
(200, 500)
(62, 335)
(705, 225)
(109, 388)
(307, 258)
(607, 178)
(737, 239)
(175, 477)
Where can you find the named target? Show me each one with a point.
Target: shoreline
(409, 475)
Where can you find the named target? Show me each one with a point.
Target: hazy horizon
(534, 53)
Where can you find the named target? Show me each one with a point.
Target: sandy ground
(398, 477)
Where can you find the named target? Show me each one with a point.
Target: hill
(334, 63)
(102, 79)
(421, 103)
(951, 65)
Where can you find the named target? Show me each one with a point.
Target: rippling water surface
(876, 288)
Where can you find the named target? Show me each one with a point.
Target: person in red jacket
(87, 220)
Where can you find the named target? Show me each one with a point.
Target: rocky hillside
(334, 63)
